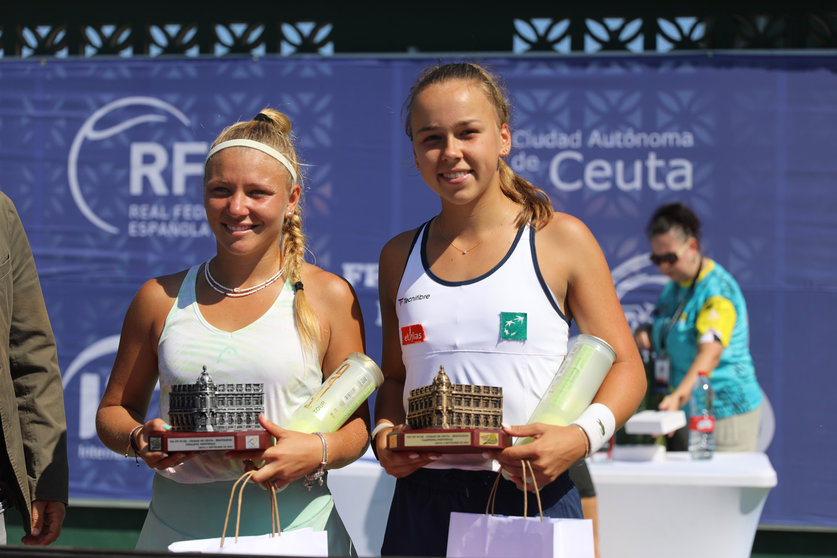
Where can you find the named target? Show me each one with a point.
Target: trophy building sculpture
(452, 418)
(206, 416)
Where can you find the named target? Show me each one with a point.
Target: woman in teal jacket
(700, 323)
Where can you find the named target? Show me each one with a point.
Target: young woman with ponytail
(254, 312)
(487, 288)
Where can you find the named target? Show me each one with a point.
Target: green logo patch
(513, 326)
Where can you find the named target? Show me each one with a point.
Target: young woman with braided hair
(496, 254)
(255, 312)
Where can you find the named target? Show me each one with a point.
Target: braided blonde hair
(536, 207)
(273, 128)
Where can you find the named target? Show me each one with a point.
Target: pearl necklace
(237, 291)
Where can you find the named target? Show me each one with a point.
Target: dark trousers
(679, 441)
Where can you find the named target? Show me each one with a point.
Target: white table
(646, 509)
(679, 507)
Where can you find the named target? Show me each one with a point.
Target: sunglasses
(670, 257)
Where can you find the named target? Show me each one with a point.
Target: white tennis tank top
(504, 328)
(267, 351)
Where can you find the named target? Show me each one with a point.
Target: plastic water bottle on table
(702, 419)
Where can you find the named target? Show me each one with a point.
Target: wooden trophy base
(210, 441)
(449, 440)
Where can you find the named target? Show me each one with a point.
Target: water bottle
(339, 396)
(702, 419)
(575, 384)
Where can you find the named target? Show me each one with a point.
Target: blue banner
(104, 161)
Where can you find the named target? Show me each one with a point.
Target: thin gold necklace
(455, 247)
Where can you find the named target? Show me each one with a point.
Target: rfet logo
(412, 334)
(638, 284)
(98, 472)
(130, 141)
(84, 380)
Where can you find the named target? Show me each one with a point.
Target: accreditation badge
(662, 372)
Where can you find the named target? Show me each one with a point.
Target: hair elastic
(132, 443)
(376, 431)
(262, 117)
(264, 148)
(379, 427)
(298, 286)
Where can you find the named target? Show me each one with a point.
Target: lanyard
(679, 310)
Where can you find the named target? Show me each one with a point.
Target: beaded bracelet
(132, 444)
(320, 474)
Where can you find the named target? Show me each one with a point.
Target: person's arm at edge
(37, 379)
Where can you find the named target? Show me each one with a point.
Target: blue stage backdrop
(104, 161)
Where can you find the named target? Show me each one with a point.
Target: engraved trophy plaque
(452, 418)
(206, 416)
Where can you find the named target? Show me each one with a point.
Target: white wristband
(599, 424)
(381, 426)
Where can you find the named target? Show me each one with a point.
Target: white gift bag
(476, 535)
(299, 542)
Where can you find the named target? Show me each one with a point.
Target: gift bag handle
(492, 496)
(275, 527)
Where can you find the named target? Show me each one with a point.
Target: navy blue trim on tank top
(410, 251)
(542, 281)
(424, 233)
(425, 264)
(416, 237)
